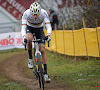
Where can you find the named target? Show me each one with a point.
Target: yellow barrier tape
(83, 42)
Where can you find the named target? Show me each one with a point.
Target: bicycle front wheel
(40, 77)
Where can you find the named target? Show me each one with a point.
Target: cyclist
(33, 21)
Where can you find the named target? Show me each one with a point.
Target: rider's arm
(24, 25)
(47, 23)
(48, 27)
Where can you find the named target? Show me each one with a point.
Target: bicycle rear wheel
(40, 74)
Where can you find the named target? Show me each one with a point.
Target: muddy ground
(11, 69)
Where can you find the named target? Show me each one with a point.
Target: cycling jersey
(28, 19)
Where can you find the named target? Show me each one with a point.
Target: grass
(81, 74)
(5, 83)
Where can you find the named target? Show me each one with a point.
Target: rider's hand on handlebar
(48, 38)
(24, 41)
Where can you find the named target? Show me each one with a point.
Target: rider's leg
(46, 77)
(29, 46)
(42, 50)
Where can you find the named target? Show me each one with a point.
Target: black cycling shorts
(39, 33)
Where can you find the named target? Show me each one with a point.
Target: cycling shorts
(39, 33)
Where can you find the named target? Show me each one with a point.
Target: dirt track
(11, 69)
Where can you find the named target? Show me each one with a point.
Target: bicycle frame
(36, 47)
(39, 67)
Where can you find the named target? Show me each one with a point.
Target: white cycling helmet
(35, 8)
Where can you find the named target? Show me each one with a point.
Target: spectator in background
(53, 18)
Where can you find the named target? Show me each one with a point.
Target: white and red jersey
(28, 19)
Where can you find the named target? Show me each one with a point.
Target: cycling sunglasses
(35, 14)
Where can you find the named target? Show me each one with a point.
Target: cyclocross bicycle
(38, 69)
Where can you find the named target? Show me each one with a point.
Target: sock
(30, 54)
(45, 68)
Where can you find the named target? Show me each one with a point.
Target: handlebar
(37, 40)
(25, 46)
(47, 41)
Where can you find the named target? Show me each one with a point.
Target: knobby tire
(40, 78)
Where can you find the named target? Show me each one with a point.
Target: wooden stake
(55, 26)
(85, 43)
(63, 26)
(97, 35)
(84, 22)
(73, 39)
(64, 38)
